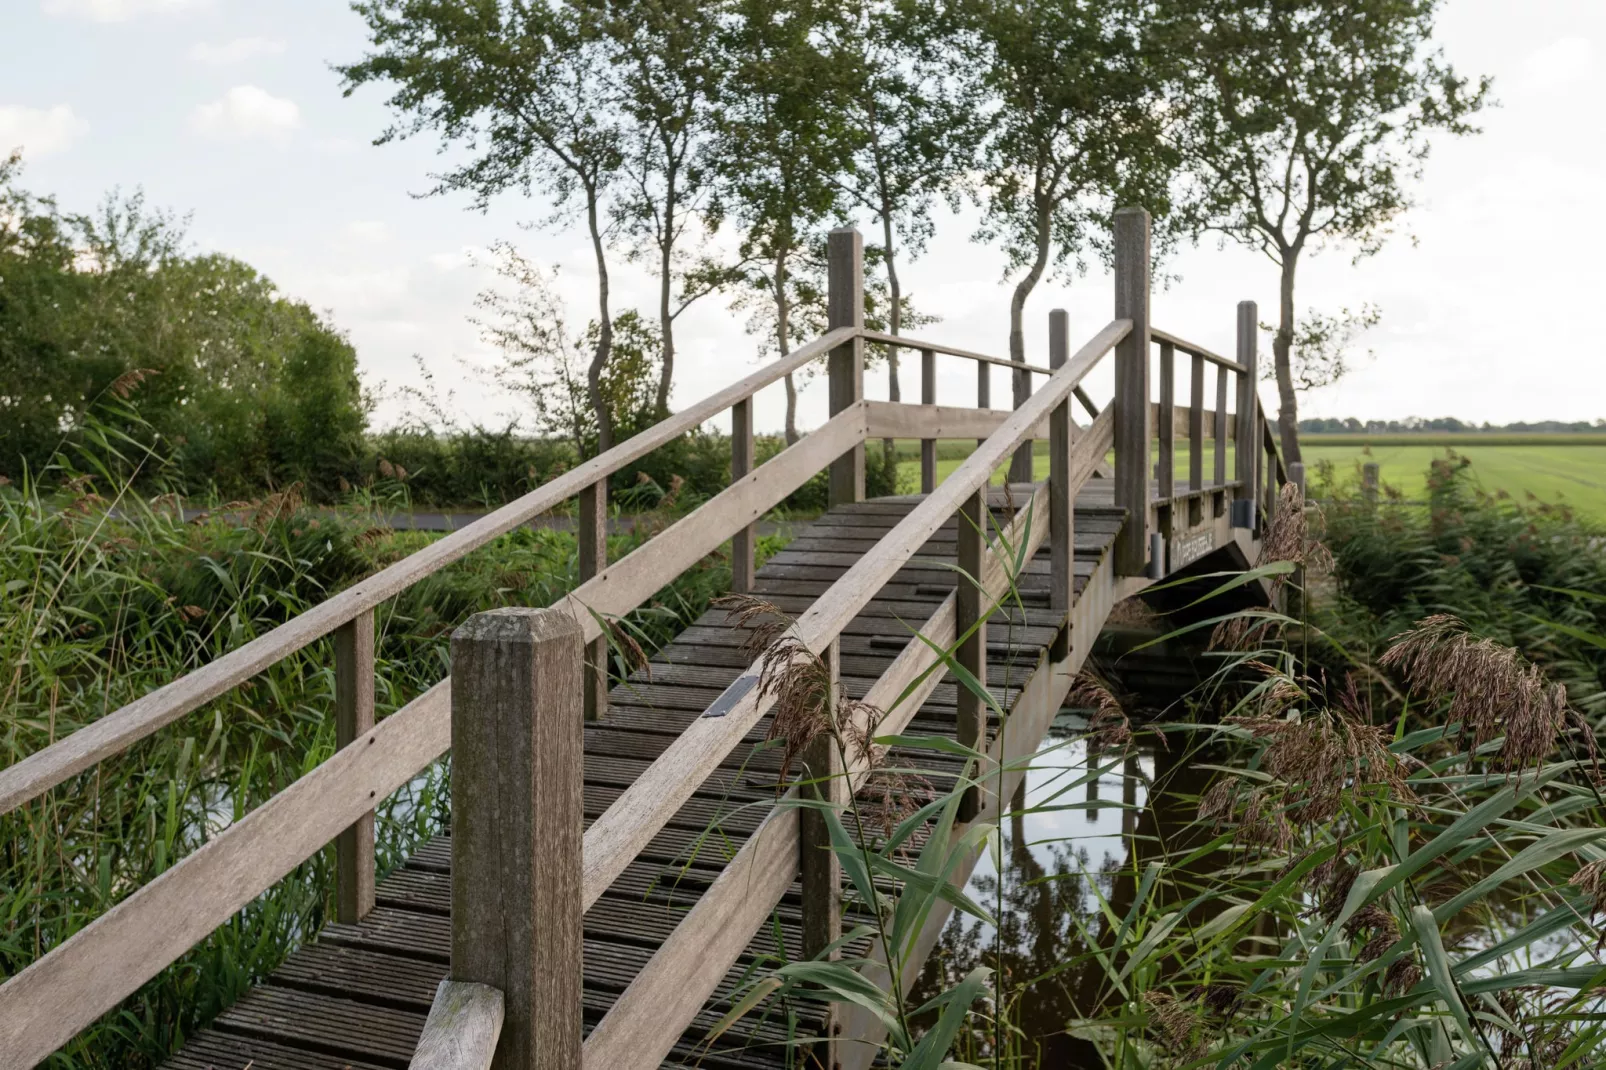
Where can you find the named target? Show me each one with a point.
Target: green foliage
(100, 609)
(243, 388)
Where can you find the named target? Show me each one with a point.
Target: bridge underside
(358, 996)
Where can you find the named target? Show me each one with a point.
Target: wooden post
(1020, 463)
(592, 533)
(845, 308)
(1369, 482)
(741, 465)
(1196, 441)
(1247, 448)
(970, 608)
(928, 446)
(1295, 600)
(517, 820)
(1061, 495)
(1221, 437)
(354, 715)
(1166, 477)
(825, 780)
(1132, 390)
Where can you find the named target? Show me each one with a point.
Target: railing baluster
(1196, 441)
(845, 308)
(928, 446)
(825, 780)
(984, 389)
(742, 464)
(1132, 390)
(1247, 448)
(1165, 506)
(970, 609)
(517, 820)
(592, 532)
(354, 715)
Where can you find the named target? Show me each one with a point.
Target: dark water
(1067, 848)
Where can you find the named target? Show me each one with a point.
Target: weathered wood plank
(844, 307)
(354, 715)
(462, 1028)
(1131, 404)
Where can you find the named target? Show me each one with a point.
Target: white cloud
(238, 50)
(246, 112)
(39, 131)
(119, 10)
(368, 230)
(1561, 63)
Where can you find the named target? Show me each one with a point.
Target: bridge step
(358, 996)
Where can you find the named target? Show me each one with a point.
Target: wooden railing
(527, 679)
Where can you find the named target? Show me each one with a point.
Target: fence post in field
(1132, 390)
(971, 609)
(1247, 447)
(1296, 585)
(741, 465)
(517, 820)
(354, 715)
(1369, 482)
(844, 307)
(820, 870)
(928, 446)
(592, 535)
(1061, 495)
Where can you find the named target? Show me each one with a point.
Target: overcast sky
(228, 111)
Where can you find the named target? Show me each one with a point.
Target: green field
(1566, 468)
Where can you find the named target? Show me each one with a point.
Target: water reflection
(1065, 846)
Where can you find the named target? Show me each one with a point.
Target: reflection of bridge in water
(577, 905)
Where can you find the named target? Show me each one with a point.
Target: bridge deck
(358, 996)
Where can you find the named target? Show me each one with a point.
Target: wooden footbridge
(579, 911)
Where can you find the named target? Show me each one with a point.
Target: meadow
(1566, 469)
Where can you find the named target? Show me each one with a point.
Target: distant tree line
(1332, 425)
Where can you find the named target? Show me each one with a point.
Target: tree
(1305, 123)
(668, 74)
(242, 387)
(778, 128)
(1077, 129)
(524, 85)
(909, 128)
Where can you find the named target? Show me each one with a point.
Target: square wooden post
(1132, 390)
(1220, 457)
(741, 466)
(824, 779)
(354, 715)
(517, 820)
(1166, 476)
(845, 308)
(971, 608)
(1196, 440)
(1248, 446)
(984, 389)
(928, 446)
(1061, 495)
(592, 534)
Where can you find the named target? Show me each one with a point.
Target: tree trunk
(894, 326)
(1282, 345)
(1020, 465)
(783, 313)
(666, 322)
(599, 362)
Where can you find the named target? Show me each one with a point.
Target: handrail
(951, 351)
(641, 1026)
(619, 835)
(44, 769)
(1195, 351)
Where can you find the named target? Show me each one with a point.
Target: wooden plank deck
(358, 996)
